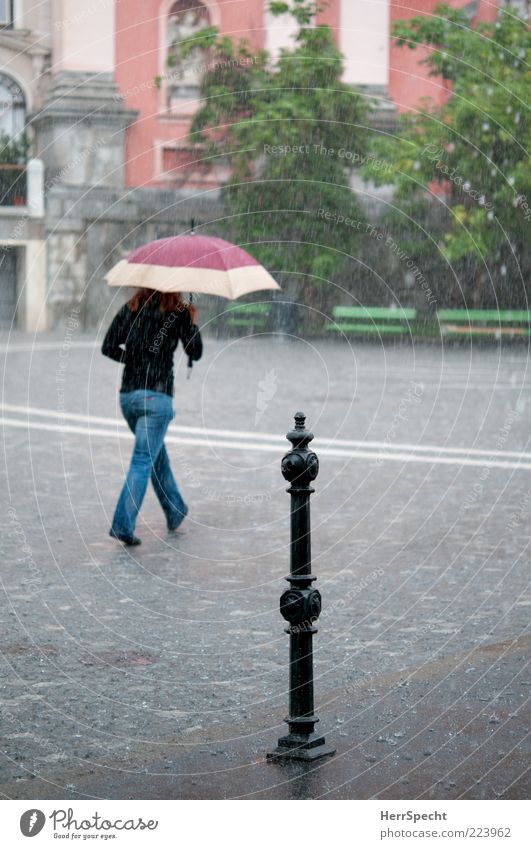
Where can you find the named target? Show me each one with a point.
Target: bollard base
(298, 747)
(282, 753)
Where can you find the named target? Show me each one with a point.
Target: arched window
(6, 13)
(185, 18)
(12, 107)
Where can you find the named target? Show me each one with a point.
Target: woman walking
(144, 335)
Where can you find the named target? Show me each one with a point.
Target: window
(6, 13)
(12, 107)
(185, 19)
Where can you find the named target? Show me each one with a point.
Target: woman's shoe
(181, 520)
(125, 538)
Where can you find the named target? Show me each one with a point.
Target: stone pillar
(79, 134)
(33, 280)
(81, 125)
(35, 188)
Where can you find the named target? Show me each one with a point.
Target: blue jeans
(148, 414)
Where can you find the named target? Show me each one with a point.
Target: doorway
(8, 286)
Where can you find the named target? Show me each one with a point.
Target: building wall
(91, 219)
(409, 80)
(25, 49)
(362, 31)
(140, 58)
(89, 232)
(278, 31)
(83, 35)
(24, 56)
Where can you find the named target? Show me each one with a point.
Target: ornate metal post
(300, 605)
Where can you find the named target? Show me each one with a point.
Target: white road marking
(480, 387)
(326, 443)
(18, 347)
(263, 446)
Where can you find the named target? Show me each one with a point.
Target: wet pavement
(161, 672)
(434, 733)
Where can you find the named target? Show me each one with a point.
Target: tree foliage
(288, 128)
(473, 151)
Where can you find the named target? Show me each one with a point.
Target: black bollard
(300, 605)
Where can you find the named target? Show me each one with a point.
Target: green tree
(473, 151)
(291, 131)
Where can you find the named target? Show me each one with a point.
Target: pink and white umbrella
(192, 263)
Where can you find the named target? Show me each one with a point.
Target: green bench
(248, 316)
(372, 320)
(495, 323)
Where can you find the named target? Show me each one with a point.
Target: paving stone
(126, 654)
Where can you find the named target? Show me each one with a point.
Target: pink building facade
(158, 151)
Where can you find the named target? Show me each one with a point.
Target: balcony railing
(13, 185)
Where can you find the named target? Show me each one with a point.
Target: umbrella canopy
(192, 263)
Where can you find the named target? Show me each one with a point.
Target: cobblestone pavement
(133, 672)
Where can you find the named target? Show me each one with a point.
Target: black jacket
(145, 342)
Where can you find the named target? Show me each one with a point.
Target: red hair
(166, 301)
